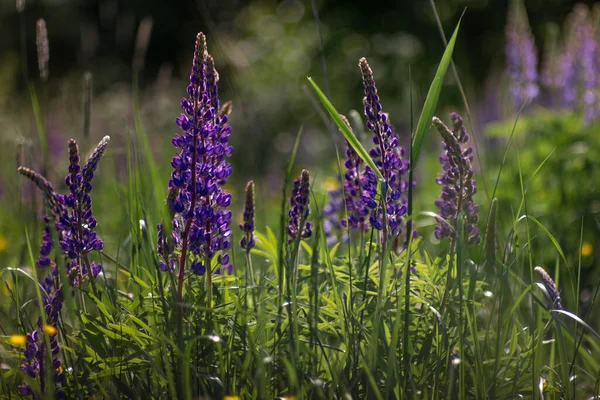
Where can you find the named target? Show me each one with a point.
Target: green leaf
(431, 101)
(356, 145)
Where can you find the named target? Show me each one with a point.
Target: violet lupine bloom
(458, 185)
(72, 214)
(77, 223)
(350, 197)
(35, 352)
(197, 200)
(550, 288)
(247, 242)
(521, 57)
(299, 211)
(388, 157)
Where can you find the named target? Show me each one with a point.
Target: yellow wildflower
(3, 243)
(586, 249)
(17, 340)
(50, 330)
(232, 398)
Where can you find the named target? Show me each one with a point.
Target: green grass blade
(356, 145)
(431, 100)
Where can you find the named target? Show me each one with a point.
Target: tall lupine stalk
(458, 185)
(521, 56)
(388, 156)
(299, 209)
(196, 199)
(458, 188)
(72, 214)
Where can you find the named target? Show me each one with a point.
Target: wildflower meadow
(428, 242)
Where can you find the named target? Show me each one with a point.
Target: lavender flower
(197, 200)
(521, 57)
(72, 214)
(351, 196)
(247, 226)
(550, 288)
(458, 185)
(35, 352)
(299, 210)
(388, 156)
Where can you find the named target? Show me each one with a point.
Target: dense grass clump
(360, 292)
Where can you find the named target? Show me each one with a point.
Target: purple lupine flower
(76, 225)
(521, 57)
(72, 214)
(388, 157)
(247, 242)
(458, 185)
(197, 200)
(578, 65)
(299, 211)
(350, 196)
(35, 351)
(550, 288)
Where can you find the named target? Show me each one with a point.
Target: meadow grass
(298, 317)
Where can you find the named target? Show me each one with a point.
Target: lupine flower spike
(72, 214)
(458, 185)
(351, 196)
(521, 56)
(299, 211)
(196, 198)
(247, 242)
(388, 156)
(550, 288)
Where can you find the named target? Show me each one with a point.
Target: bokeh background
(264, 50)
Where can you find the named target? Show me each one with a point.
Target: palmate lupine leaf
(431, 101)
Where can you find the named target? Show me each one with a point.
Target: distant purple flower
(299, 210)
(388, 156)
(458, 185)
(197, 200)
(521, 58)
(550, 288)
(247, 226)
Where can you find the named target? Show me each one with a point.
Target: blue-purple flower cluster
(197, 200)
(458, 185)
(388, 156)
(299, 210)
(521, 57)
(36, 350)
(72, 214)
(551, 288)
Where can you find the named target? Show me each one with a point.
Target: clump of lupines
(299, 210)
(388, 157)
(247, 242)
(458, 185)
(349, 196)
(550, 288)
(521, 57)
(196, 199)
(72, 214)
(36, 350)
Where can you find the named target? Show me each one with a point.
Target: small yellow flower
(17, 340)
(3, 243)
(50, 330)
(232, 398)
(586, 249)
